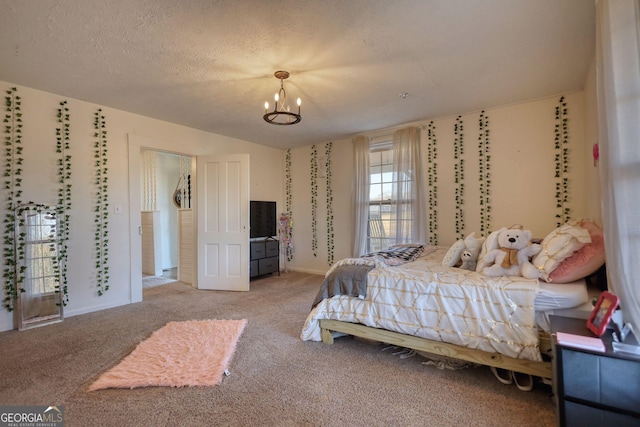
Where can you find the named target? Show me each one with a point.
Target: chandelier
(281, 114)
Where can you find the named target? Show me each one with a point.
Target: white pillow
(474, 244)
(453, 254)
(490, 244)
(470, 243)
(560, 244)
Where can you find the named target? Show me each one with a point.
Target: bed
(442, 311)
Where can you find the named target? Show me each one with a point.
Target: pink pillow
(584, 261)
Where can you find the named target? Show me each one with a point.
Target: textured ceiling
(209, 64)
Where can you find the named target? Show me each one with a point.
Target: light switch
(117, 209)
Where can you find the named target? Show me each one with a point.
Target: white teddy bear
(513, 254)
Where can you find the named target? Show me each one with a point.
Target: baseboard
(303, 270)
(94, 308)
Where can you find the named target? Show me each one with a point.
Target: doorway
(138, 203)
(234, 197)
(165, 193)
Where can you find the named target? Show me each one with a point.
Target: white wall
(522, 189)
(167, 178)
(592, 167)
(39, 183)
(341, 169)
(521, 143)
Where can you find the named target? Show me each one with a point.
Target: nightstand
(593, 388)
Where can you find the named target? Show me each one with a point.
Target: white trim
(136, 144)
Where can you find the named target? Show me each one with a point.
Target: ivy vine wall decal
(561, 144)
(12, 186)
(288, 201)
(432, 182)
(458, 153)
(484, 178)
(63, 145)
(314, 200)
(102, 204)
(330, 234)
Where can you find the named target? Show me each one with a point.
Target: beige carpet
(276, 379)
(192, 353)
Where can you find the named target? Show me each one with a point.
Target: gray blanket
(349, 280)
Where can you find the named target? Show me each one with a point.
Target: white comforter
(425, 299)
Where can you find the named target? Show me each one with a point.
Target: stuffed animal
(513, 254)
(471, 245)
(527, 269)
(468, 260)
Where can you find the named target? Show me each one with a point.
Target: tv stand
(264, 257)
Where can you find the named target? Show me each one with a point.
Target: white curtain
(618, 82)
(408, 191)
(360, 194)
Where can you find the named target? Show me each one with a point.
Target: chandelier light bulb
(266, 106)
(276, 97)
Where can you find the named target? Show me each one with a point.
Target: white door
(223, 217)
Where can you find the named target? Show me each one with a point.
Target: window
(379, 235)
(389, 191)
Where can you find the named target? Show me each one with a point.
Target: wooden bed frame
(539, 369)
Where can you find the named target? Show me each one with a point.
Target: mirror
(37, 255)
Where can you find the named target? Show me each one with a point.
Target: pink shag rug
(191, 353)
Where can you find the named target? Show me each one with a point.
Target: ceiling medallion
(281, 114)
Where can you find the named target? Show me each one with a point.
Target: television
(262, 219)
